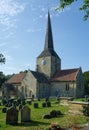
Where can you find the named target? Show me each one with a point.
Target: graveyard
(37, 115)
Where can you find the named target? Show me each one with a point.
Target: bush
(54, 126)
(86, 110)
(4, 110)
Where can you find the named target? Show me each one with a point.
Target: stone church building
(48, 79)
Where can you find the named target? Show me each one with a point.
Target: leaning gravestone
(12, 116)
(25, 114)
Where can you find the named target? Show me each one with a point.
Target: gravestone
(35, 105)
(48, 104)
(12, 116)
(25, 114)
(29, 102)
(44, 104)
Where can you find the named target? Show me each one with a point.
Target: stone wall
(43, 90)
(32, 84)
(52, 64)
(59, 89)
(80, 84)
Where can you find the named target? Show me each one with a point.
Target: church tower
(48, 62)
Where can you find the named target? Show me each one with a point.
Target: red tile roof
(17, 78)
(65, 75)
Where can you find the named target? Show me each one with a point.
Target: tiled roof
(40, 77)
(48, 53)
(65, 75)
(17, 78)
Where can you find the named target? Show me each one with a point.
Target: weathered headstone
(29, 102)
(25, 114)
(35, 105)
(48, 104)
(12, 116)
(44, 104)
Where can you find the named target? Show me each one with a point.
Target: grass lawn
(38, 123)
(80, 99)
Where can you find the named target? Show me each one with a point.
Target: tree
(86, 81)
(84, 7)
(2, 78)
(2, 59)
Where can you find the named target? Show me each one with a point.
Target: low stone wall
(77, 107)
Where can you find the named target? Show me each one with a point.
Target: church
(48, 80)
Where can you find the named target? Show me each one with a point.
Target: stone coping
(81, 103)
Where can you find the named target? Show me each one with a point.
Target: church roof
(48, 37)
(48, 46)
(40, 77)
(65, 75)
(17, 78)
(48, 53)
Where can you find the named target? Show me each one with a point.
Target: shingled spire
(48, 38)
(48, 46)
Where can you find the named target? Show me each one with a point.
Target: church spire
(48, 38)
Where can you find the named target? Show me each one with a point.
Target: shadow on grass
(32, 123)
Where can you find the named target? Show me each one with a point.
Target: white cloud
(8, 9)
(16, 46)
(3, 44)
(8, 58)
(34, 30)
(40, 16)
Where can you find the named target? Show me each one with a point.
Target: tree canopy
(2, 78)
(2, 59)
(86, 81)
(84, 7)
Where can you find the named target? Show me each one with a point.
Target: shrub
(86, 110)
(4, 110)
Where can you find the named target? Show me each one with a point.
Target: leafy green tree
(84, 7)
(2, 78)
(86, 81)
(2, 59)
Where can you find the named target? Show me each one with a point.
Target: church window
(67, 87)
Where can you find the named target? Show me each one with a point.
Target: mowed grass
(38, 123)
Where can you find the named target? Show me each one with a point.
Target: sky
(23, 28)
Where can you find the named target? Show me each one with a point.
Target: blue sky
(22, 34)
